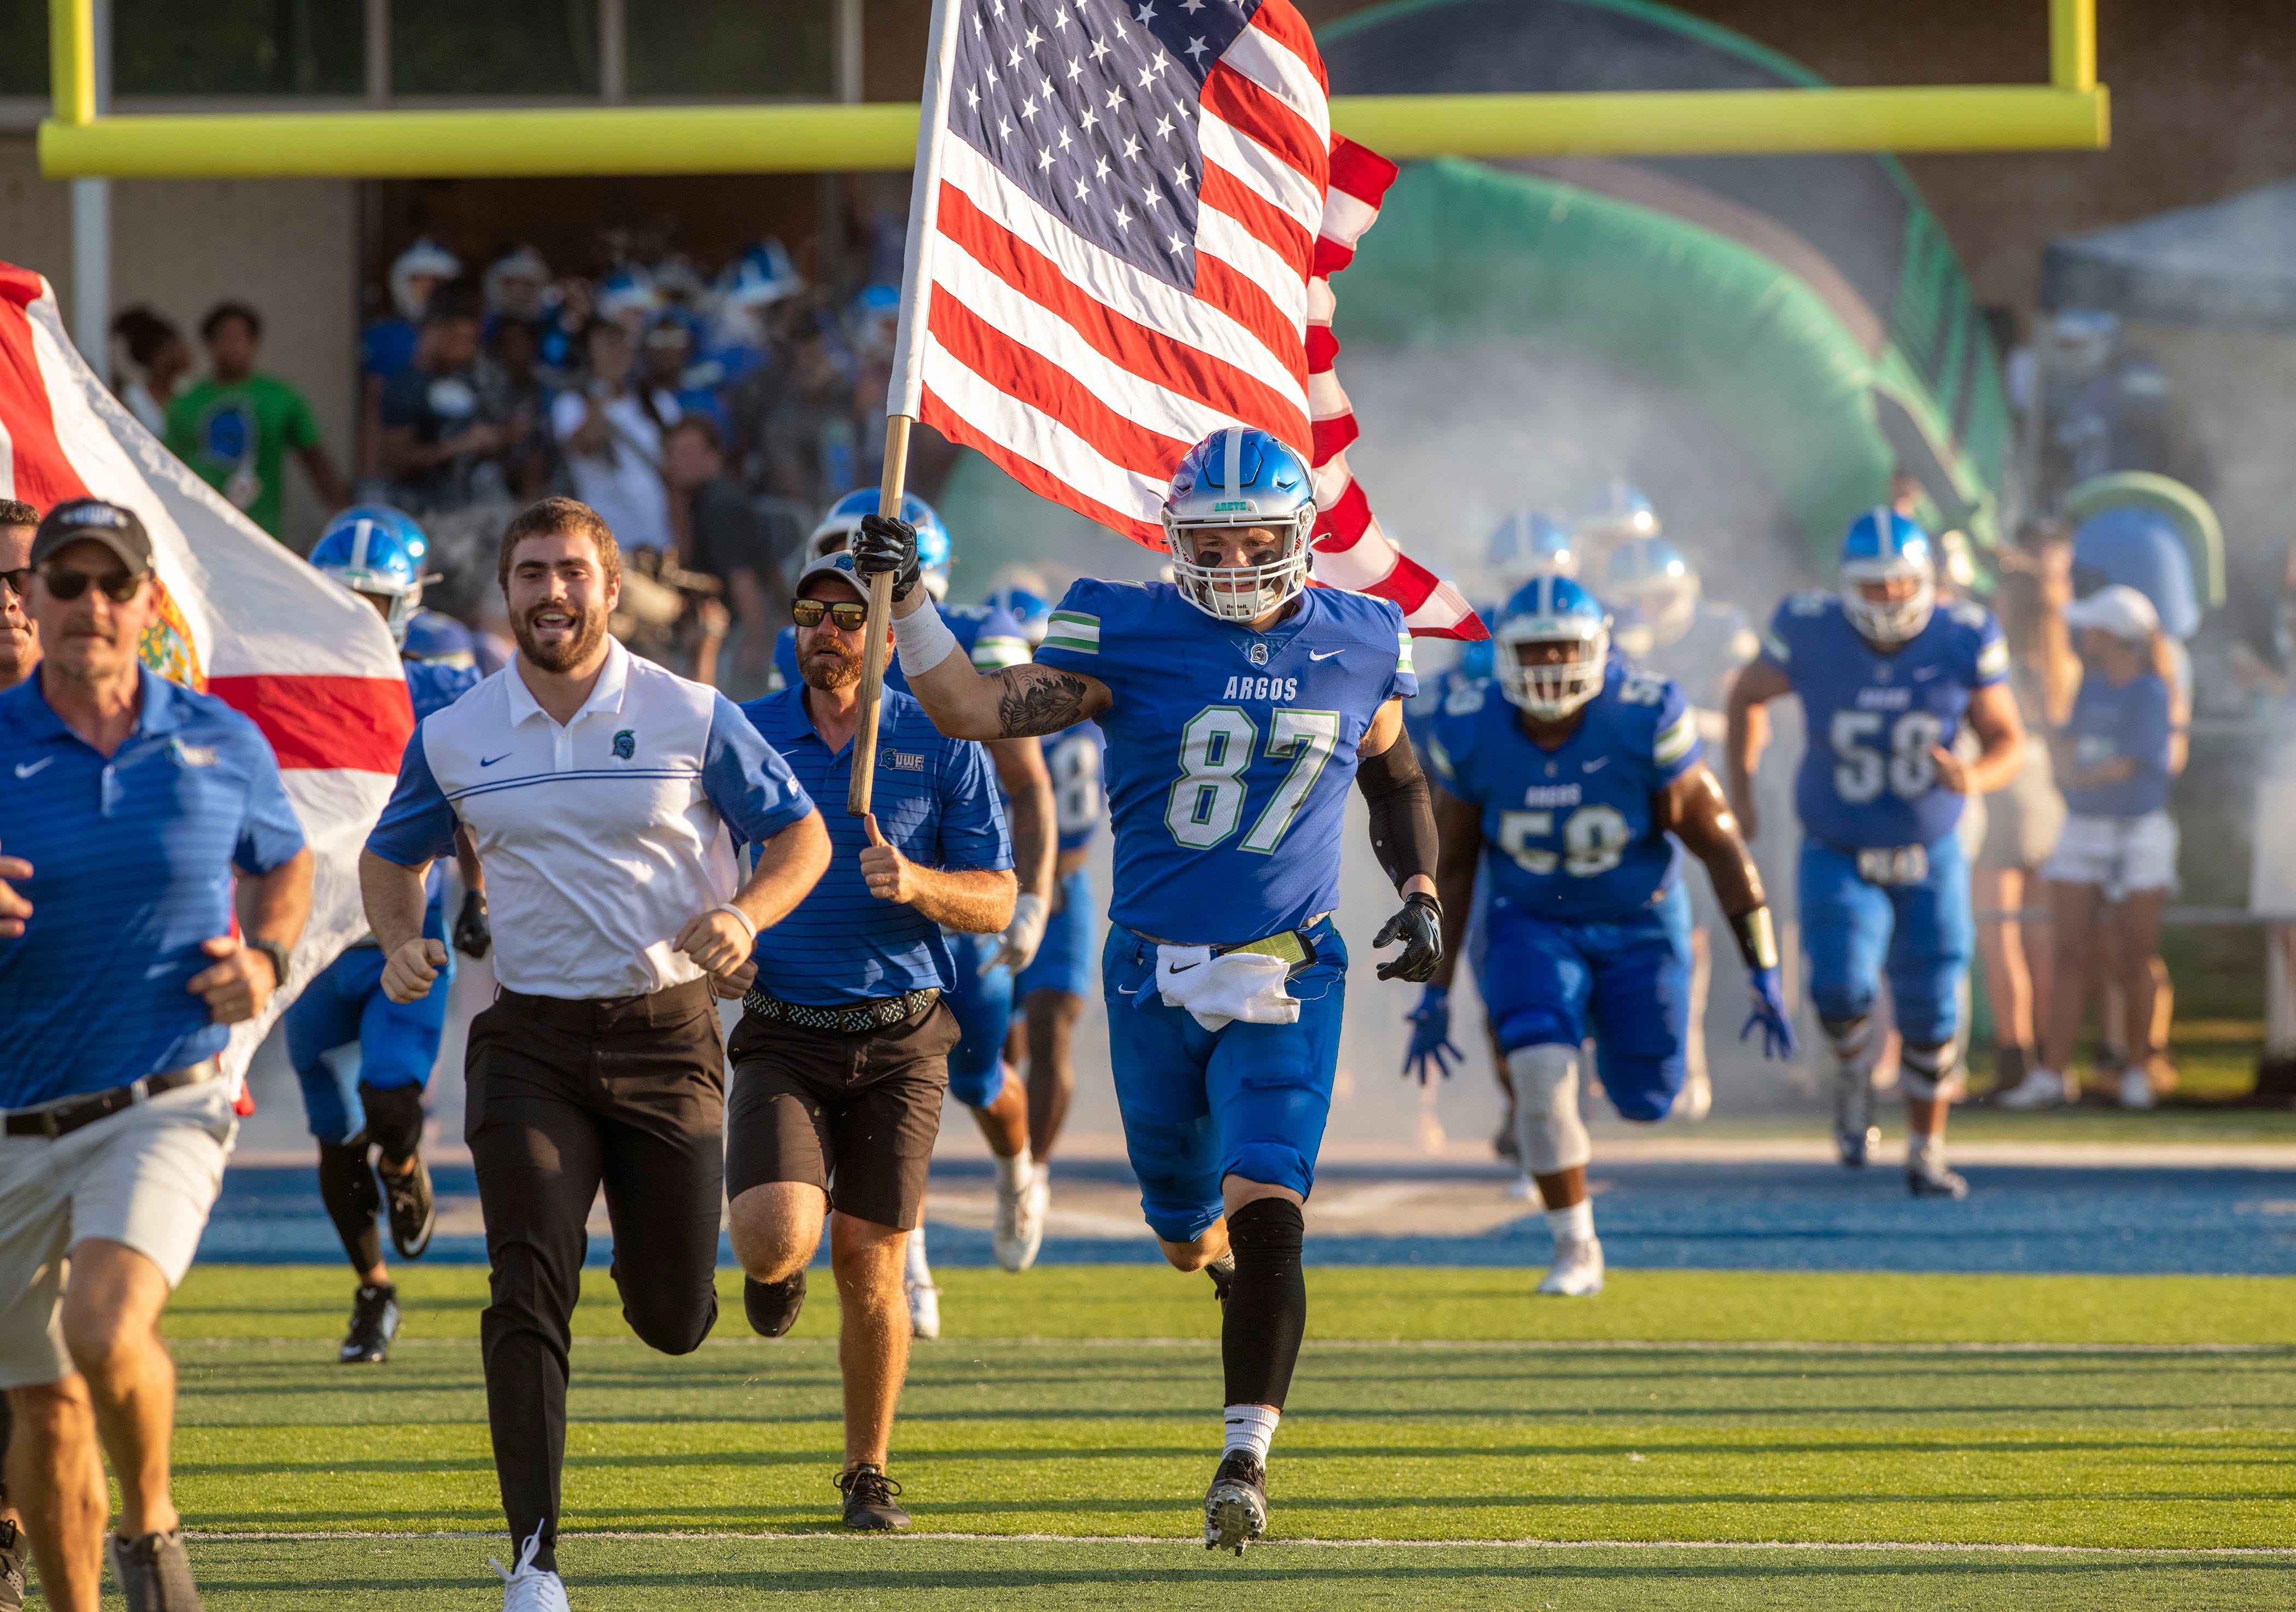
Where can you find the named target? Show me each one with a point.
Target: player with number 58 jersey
(1887, 676)
(1238, 704)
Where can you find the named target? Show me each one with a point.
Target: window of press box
(237, 48)
(737, 49)
(24, 47)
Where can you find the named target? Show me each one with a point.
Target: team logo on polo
(625, 744)
(900, 761)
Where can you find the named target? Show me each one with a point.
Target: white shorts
(145, 1177)
(2125, 855)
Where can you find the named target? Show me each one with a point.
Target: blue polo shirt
(132, 862)
(934, 798)
(2107, 723)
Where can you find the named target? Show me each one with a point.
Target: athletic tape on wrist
(923, 640)
(1758, 938)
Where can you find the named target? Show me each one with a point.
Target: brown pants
(565, 1096)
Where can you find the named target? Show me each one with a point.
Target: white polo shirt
(601, 839)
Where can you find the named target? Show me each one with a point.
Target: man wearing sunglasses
(841, 1057)
(135, 810)
(19, 638)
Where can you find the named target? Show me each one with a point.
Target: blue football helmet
(1617, 510)
(1030, 611)
(1652, 575)
(762, 275)
(844, 519)
(1241, 477)
(440, 639)
(1530, 543)
(377, 551)
(1881, 549)
(1552, 609)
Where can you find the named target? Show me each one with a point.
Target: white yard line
(1517, 1346)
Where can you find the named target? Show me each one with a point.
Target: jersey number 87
(1215, 746)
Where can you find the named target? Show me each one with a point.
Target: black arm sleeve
(1402, 810)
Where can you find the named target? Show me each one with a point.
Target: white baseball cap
(2118, 609)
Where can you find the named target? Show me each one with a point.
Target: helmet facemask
(1551, 691)
(1242, 593)
(1897, 623)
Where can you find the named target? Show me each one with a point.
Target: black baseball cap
(93, 520)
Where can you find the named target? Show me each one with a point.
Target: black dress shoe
(773, 1307)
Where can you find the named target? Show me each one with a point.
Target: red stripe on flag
(1334, 435)
(1261, 218)
(1033, 476)
(361, 724)
(1267, 122)
(1172, 364)
(1322, 349)
(1051, 390)
(1246, 302)
(1342, 523)
(1280, 21)
(1361, 172)
(44, 477)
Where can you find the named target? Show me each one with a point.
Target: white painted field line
(1874, 1546)
(1519, 1346)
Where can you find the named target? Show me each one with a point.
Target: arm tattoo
(1037, 700)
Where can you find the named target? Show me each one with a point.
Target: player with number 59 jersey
(1238, 704)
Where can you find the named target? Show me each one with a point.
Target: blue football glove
(1778, 1040)
(1431, 1036)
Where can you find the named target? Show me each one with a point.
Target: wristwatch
(278, 956)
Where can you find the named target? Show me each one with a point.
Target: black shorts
(854, 1114)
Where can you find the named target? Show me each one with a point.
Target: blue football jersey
(1568, 833)
(1230, 751)
(433, 686)
(1719, 641)
(992, 638)
(1076, 757)
(1867, 777)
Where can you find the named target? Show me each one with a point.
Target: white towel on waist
(1247, 985)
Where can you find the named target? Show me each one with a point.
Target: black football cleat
(413, 1213)
(869, 1503)
(1236, 1506)
(153, 1572)
(14, 1549)
(773, 1307)
(374, 1323)
(1222, 1271)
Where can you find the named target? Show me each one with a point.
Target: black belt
(853, 1019)
(62, 1119)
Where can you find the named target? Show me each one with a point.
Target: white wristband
(924, 640)
(739, 916)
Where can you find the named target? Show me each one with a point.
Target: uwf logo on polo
(625, 744)
(901, 760)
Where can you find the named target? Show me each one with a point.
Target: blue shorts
(983, 1005)
(1545, 977)
(1921, 934)
(1201, 1105)
(1064, 962)
(398, 1043)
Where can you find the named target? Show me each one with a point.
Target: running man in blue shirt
(362, 1059)
(1238, 705)
(1886, 679)
(1565, 792)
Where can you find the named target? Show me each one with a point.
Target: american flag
(1125, 213)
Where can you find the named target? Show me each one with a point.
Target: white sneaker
(1697, 1098)
(1522, 1187)
(1020, 1222)
(925, 1306)
(1578, 1271)
(530, 1589)
(1041, 1206)
(2136, 1088)
(2040, 1088)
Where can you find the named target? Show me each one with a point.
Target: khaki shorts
(145, 1177)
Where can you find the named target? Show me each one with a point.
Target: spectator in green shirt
(236, 428)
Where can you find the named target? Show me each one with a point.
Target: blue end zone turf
(1651, 1216)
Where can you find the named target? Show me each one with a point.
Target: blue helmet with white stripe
(1240, 478)
(1887, 576)
(377, 551)
(1031, 611)
(1656, 578)
(1530, 543)
(838, 527)
(1547, 613)
(1616, 510)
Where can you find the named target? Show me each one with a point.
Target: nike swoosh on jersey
(490, 760)
(1923, 674)
(1597, 764)
(1323, 654)
(22, 771)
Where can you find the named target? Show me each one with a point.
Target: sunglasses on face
(849, 617)
(118, 586)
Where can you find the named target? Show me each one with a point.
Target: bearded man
(605, 797)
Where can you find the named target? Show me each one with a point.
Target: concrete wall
(288, 247)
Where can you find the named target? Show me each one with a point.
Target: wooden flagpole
(864, 776)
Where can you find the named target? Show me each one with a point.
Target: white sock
(1575, 1224)
(1252, 1428)
(1015, 1173)
(919, 1271)
(1919, 1147)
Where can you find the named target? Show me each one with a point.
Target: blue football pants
(1920, 936)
